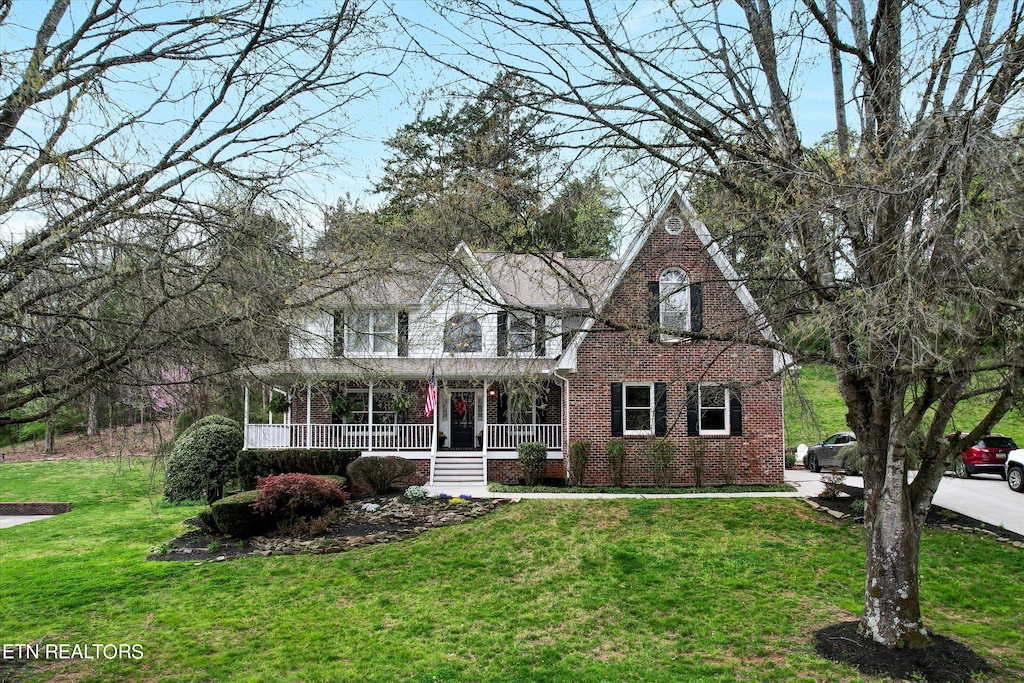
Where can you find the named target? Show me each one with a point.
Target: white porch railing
(340, 436)
(506, 437)
(413, 437)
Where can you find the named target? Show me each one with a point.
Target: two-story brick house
(542, 348)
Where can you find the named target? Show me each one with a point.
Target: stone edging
(34, 508)
(946, 527)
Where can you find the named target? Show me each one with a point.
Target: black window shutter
(654, 310)
(692, 426)
(735, 413)
(660, 409)
(403, 333)
(339, 333)
(616, 408)
(696, 308)
(502, 333)
(539, 336)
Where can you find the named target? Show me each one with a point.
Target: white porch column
(245, 421)
(369, 417)
(309, 416)
(487, 385)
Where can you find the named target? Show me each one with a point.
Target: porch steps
(459, 468)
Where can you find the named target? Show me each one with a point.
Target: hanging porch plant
(279, 403)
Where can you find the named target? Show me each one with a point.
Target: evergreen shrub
(235, 515)
(533, 460)
(615, 449)
(579, 456)
(380, 472)
(201, 463)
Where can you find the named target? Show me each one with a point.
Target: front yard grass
(542, 590)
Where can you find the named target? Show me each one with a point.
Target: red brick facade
(609, 354)
(742, 437)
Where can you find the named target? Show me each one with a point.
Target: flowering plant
(417, 493)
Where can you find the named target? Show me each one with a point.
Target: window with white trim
(353, 407)
(638, 408)
(521, 334)
(371, 332)
(674, 303)
(462, 334)
(713, 409)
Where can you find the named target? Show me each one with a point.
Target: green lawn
(645, 590)
(813, 410)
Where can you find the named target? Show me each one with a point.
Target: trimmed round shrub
(210, 420)
(579, 456)
(235, 515)
(288, 496)
(381, 472)
(201, 463)
(790, 458)
(533, 460)
(615, 449)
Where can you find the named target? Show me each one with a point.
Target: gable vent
(674, 225)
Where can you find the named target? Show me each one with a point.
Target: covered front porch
(477, 418)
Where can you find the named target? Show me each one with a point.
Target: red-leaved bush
(287, 496)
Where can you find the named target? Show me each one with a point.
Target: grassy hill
(813, 410)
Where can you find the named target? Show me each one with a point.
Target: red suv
(988, 456)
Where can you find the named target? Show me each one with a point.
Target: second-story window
(462, 334)
(675, 301)
(520, 335)
(371, 332)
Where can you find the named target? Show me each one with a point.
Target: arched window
(674, 303)
(462, 334)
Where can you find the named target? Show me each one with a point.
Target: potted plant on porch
(441, 438)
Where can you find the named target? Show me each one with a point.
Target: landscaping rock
(396, 519)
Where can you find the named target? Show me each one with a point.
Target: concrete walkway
(7, 521)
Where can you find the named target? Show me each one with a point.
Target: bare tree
(898, 236)
(122, 127)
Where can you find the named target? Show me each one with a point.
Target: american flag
(431, 404)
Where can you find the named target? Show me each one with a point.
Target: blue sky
(355, 162)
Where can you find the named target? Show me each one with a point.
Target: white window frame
(681, 288)
(376, 334)
(626, 431)
(445, 338)
(529, 322)
(700, 410)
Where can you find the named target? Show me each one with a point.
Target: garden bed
(359, 522)
(846, 508)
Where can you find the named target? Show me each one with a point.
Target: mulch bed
(945, 660)
(354, 525)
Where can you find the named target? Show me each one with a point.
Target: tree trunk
(48, 439)
(92, 427)
(892, 609)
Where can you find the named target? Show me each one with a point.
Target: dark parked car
(826, 453)
(988, 456)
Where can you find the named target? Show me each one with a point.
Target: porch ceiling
(298, 369)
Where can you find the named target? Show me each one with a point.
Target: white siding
(313, 337)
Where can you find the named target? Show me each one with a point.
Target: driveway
(985, 497)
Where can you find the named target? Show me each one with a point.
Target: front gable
(675, 244)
